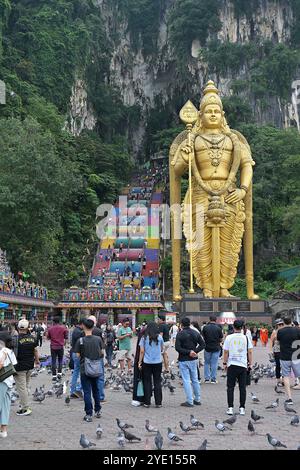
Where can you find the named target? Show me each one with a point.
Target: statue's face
(212, 116)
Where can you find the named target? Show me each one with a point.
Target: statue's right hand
(187, 153)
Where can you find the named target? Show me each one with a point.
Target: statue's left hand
(236, 196)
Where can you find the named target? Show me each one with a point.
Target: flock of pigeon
(117, 380)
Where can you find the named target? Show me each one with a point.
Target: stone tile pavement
(54, 425)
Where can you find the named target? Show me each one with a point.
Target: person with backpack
(7, 357)
(90, 351)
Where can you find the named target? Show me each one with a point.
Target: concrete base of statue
(198, 308)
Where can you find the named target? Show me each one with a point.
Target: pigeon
(40, 397)
(172, 437)
(67, 400)
(99, 431)
(203, 445)
(85, 443)
(196, 423)
(254, 398)
(150, 428)
(122, 425)
(184, 427)
(278, 391)
(288, 409)
(274, 442)
(230, 420)
(121, 439)
(255, 417)
(171, 387)
(275, 404)
(220, 426)
(130, 437)
(295, 420)
(251, 428)
(158, 441)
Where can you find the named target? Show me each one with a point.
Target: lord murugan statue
(220, 169)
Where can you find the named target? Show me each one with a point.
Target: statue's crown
(210, 96)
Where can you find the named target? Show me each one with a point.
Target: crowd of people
(91, 344)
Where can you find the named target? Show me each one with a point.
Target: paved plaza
(55, 425)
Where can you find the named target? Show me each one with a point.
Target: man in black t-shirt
(165, 333)
(90, 347)
(212, 335)
(27, 355)
(289, 340)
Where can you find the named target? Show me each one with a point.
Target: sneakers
(242, 411)
(3, 434)
(136, 403)
(230, 411)
(289, 402)
(198, 403)
(88, 419)
(146, 406)
(98, 414)
(74, 395)
(187, 404)
(213, 381)
(24, 412)
(158, 406)
(207, 381)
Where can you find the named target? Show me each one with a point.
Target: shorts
(288, 366)
(166, 346)
(123, 354)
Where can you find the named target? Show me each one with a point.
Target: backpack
(92, 367)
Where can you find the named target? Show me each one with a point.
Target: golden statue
(213, 154)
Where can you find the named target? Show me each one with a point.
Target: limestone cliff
(149, 80)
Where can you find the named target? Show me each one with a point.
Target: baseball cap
(23, 324)
(279, 321)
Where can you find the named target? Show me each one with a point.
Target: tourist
(58, 335)
(75, 388)
(137, 373)
(288, 336)
(237, 359)
(173, 333)
(188, 344)
(275, 350)
(213, 336)
(254, 336)
(150, 363)
(7, 357)
(109, 344)
(264, 336)
(39, 334)
(165, 333)
(124, 336)
(99, 330)
(90, 350)
(27, 356)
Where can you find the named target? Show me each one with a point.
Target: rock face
(149, 82)
(81, 115)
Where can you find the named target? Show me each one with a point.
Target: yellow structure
(216, 157)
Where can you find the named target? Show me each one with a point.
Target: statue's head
(211, 114)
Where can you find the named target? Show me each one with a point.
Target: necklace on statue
(215, 152)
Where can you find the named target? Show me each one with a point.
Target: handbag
(140, 389)
(7, 371)
(92, 367)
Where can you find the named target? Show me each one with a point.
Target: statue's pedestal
(198, 308)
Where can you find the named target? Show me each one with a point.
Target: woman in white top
(173, 333)
(6, 357)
